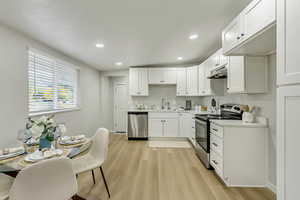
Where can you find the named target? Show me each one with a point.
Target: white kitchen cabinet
(231, 35)
(170, 126)
(181, 89)
(252, 32)
(288, 137)
(185, 125)
(288, 42)
(239, 154)
(288, 99)
(138, 82)
(163, 124)
(258, 15)
(192, 81)
(155, 127)
(162, 76)
(218, 59)
(247, 74)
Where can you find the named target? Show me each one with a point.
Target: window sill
(53, 112)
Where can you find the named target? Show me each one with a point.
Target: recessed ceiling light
(179, 58)
(194, 36)
(99, 45)
(119, 63)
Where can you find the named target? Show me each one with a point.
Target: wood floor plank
(135, 171)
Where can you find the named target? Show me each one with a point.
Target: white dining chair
(95, 157)
(47, 180)
(5, 185)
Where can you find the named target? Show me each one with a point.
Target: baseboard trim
(272, 187)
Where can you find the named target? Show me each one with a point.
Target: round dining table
(13, 166)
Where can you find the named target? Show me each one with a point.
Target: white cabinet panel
(202, 79)
(181, 82)
(156, 127)
(162, 76)
(258, 15)
(156, 76)
(288, 137)
(288, 41)
(170, 127)
(170, 76)
(236, 74)
(192, 81)
(185, 125)
(138, 82)
(231, 34)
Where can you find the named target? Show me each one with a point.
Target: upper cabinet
(181, 89)
(247, 74)
(288, 28)
(192, 81)
(162, 76)
(252, 32)
(138, 82)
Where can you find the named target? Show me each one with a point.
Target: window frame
(77, 87)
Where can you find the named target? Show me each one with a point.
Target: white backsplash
(157, 92)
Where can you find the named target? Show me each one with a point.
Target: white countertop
(170, 111)
(238, 123)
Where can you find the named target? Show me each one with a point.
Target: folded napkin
(8, 151)
(73, 138)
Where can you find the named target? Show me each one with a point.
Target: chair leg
(105, 181)
(93, 177)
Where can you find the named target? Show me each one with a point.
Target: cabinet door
(170, 76)
(185, 125)
(202, 81)
(192, 81)
(236, 74)
(170, 127)
(258, 15)
(143, 82)
(181, 82)
(231, 35)
(288, 41)
(207, 82)
(133, 82)
(288, 137)
(156, 76)
(156, 127)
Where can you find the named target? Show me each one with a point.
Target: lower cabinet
(238, 155)
(163, 125)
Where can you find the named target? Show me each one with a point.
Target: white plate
(38, 155)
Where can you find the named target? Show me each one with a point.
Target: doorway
(120, 107)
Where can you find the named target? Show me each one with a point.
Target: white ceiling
(135, 32)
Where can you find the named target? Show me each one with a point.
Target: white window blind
(52, 84)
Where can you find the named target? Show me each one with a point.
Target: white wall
(267, 107)
(13, 87)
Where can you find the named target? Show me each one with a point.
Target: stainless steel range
(228, 112)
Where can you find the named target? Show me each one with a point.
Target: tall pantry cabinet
(288, 99)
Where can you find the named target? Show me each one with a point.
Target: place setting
(43, 139)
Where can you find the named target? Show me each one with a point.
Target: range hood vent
(218, 72)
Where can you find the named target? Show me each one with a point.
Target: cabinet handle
(162, 81)
(215, 129)
(215, 144)
(215, 162)
(242, 34)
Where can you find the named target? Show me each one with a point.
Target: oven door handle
(200, 121)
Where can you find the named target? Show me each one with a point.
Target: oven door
(202, 134)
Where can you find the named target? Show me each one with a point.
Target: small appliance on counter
(188, 105)
(202, 124)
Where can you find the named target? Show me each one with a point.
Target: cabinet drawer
(217, 130)
(217, 162)
(216, 144)
(162, 115)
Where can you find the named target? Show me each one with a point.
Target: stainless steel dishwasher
(137, 125)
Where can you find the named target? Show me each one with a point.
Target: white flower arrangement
(43, 127)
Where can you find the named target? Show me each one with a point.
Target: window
(52, 84)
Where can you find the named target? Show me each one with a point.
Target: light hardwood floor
(136, 172)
